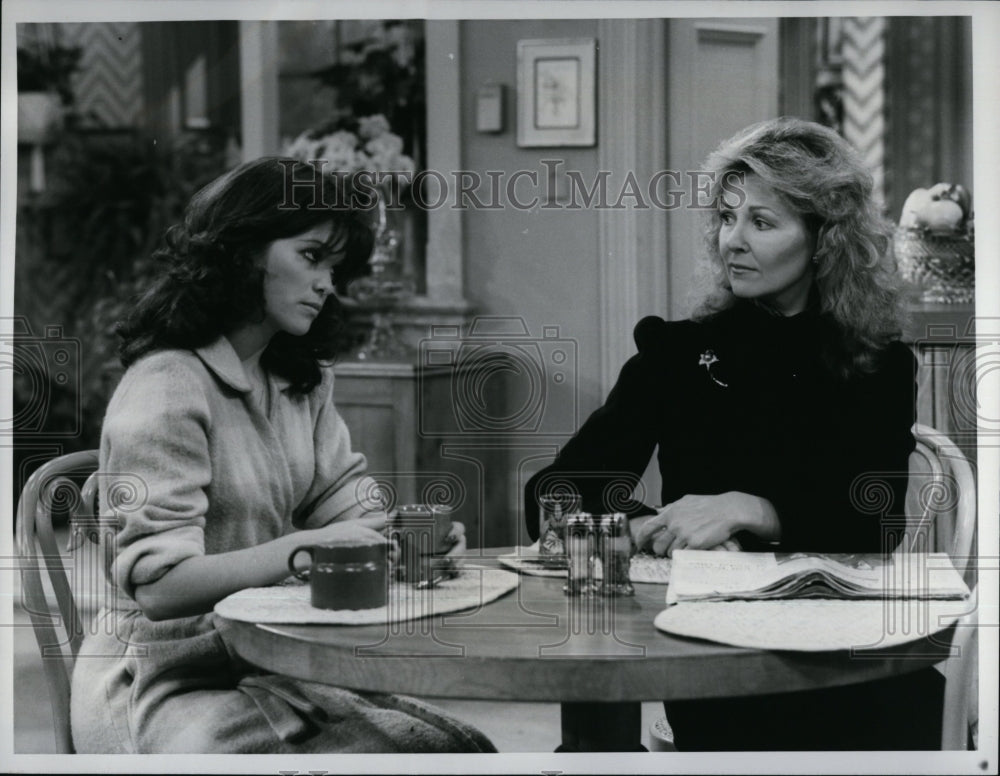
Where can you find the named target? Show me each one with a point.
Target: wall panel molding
(632, 242)
(259, 87)
(729, 34)
(445, 272)
(723, 75)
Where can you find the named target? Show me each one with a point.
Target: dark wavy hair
(822, 178)
(211, 281)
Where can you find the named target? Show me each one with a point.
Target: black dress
(749, 401)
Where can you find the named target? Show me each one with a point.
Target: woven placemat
(642, 568)
(810, 625)
(289, 603)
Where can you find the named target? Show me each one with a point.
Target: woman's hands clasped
(698, 522)
(691, 522)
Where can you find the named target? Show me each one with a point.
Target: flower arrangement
(373, 147)
(45, 72)
(383, 73)
(48, 67)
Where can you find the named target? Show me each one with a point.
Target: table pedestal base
(601, 727)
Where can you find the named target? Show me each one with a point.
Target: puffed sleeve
(155, 467)
(340, 488)
(841, 502)
(606, 458)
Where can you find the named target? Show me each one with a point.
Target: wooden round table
(537, 644)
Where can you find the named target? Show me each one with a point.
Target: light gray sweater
(210, 471)
(192, 465)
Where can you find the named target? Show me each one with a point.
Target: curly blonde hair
(822, 178)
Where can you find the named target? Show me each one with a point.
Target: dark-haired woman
(224, 430)
(773, 410)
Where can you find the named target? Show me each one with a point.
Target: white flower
(385, 146)
(403, 49)
(303, 147)
(370, 127)
(342, 151)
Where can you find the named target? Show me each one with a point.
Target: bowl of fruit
(935, 243)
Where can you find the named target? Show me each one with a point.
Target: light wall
(568, 268)
(540, 265)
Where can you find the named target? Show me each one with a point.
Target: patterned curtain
(108, 86)
(850, 86)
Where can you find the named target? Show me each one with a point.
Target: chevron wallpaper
(863, 52)
(109, 85)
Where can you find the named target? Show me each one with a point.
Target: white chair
(941, 517)
(52, 598)
(961, 673)
(942, 500)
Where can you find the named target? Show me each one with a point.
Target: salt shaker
(615, 548)
(554, 507)
(579, 550)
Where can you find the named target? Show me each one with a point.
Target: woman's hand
(338, 532)
(358, 531)
(706, 522)
(455, 538)
(197, 583)
(691, 522)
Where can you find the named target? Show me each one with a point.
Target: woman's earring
(815, 259)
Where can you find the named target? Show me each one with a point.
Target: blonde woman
(771, 410)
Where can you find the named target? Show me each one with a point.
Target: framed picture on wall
(556, 92)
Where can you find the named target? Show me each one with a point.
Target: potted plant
(44, 73)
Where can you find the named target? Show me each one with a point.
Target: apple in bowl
(942, 209)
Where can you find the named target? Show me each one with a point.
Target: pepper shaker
(615, 546)
(579, 551)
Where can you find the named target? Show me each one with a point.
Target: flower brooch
(707, 359)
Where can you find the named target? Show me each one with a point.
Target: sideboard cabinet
(401, 416)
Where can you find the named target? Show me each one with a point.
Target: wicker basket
(942, 266)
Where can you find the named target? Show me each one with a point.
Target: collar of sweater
(761, 322)
(222, 360)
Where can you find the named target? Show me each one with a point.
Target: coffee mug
(421, 531)
(345, 576)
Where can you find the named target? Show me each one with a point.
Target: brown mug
(345, 576)
(421, 531)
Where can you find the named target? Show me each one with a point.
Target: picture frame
(556, 92)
